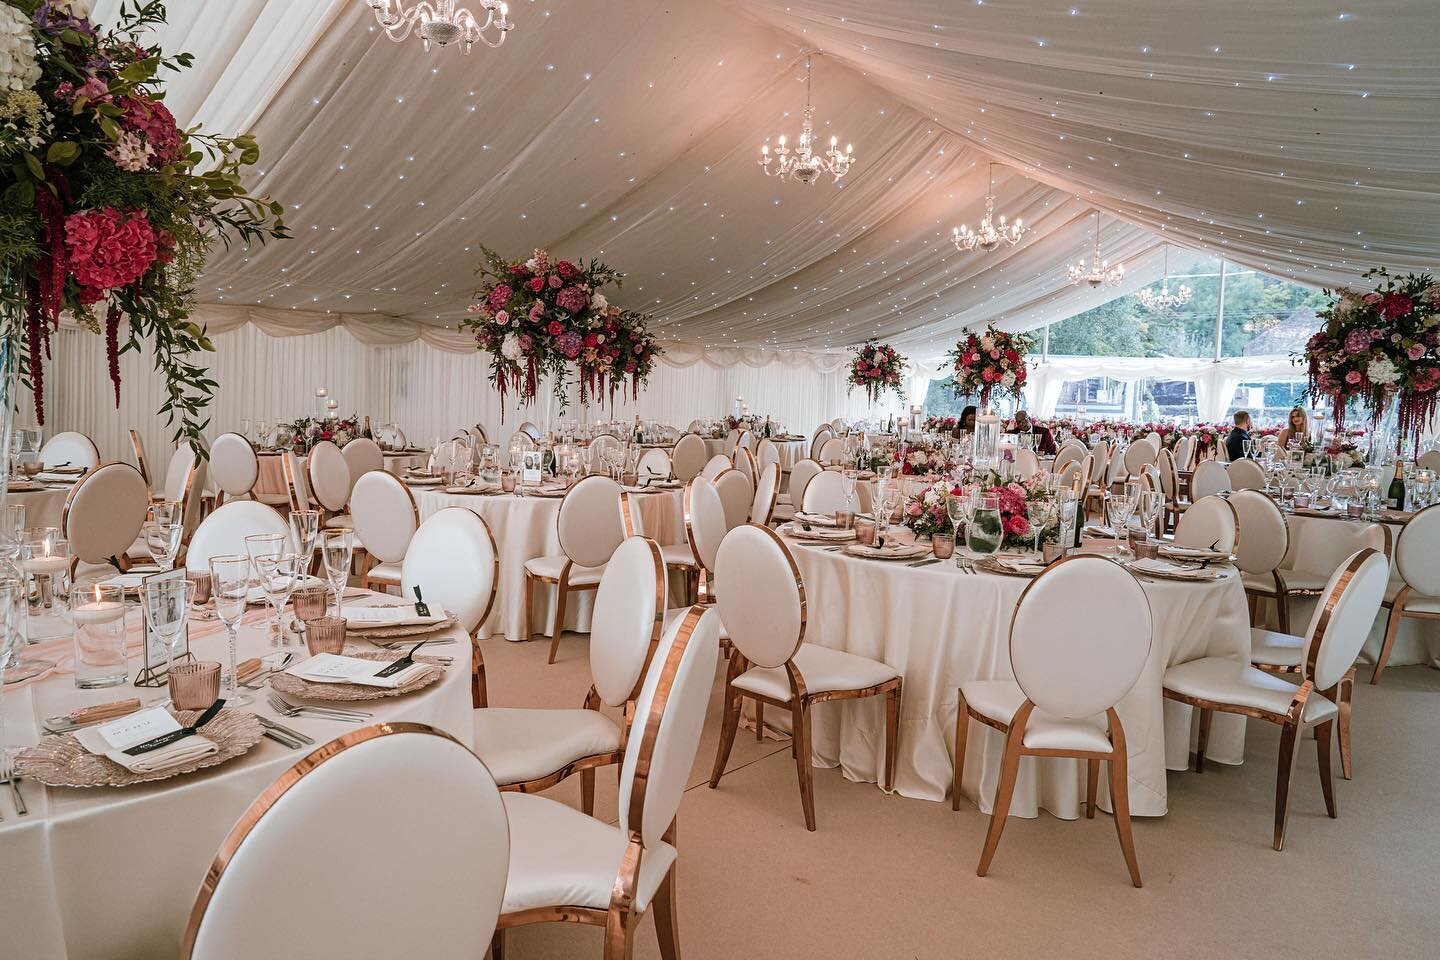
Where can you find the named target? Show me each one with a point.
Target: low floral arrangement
(877, 368)
(540, 317)
(920, 459)
(304, 433)
(107, 208)
(1379, 347)
(990, 361)
(1016, 497)
(927, 511)
(947, 425)
(1337, 455)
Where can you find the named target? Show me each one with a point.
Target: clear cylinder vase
(985, 441)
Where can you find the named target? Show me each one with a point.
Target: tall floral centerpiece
(541, 316)
(1381, 347)
(990, 361)
(877, 367)
(107, 208)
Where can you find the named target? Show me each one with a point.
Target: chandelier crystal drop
(440, 22)
(1165, 299)
(993, 231)
(802, 163)
(1097, 273)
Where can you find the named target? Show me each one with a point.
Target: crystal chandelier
(439, 22)
(1097, 273)
(802, 163)
(1165, 300)
(992, 232)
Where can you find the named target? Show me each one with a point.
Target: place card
(332, 668)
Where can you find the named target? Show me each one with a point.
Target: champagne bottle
(1396, 494)
(365, 430)
(639, 434)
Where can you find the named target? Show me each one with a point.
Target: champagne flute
(305, 530)
(259, 545)
(165, 604)
(336, 549)
(163, 529)
(230, 588)
(278, 575)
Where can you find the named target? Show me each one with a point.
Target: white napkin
(111, 740)
(818, 533)
(1174, 570)
(57, 477)
(330, 668)
(1020, 564)
(1196, 553)
(897, 551)
(815, 519)
(400, 615)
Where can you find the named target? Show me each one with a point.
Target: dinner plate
(288, 683)
(424, 481)
(1194, 553)
(1165, 570)
(817, 533)
(904, 551)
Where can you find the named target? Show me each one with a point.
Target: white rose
(598, 302)
(987, 343)
(532, 265)
(1382, 370)
(1008, 379)
(510, 349)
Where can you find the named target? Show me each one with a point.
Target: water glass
(984, 533)
(12, 525)
(164, 527)
(336, 548)
(45, 560)
(98, 613)
(165, 604)
(230, 588)
(279, 573)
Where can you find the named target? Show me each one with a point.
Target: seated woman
(1297, 428)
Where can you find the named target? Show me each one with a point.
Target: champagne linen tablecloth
(43, 508)
(940, 626)
(791, 451)
(526, 528)
(272, 474)
(111, 873)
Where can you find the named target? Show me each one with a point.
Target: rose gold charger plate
(60, 761)
(1026, 570)
(296, 686)
(401, 630)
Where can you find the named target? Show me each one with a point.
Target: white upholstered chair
(745, 463)
(767, 490)
(362, 455)
(386, 518)
(793, 498)
(763, 608)
(223, 532)
(1137, 457)
(1333, 641)
(1169, 486)
(825, 494)
(766, 453)
(1070, 452)
(566, 866)
(444, 883)
(1245, 475)
(70, 449)
(297, 484)
(453, 560)
(329, 477)
(705, 530)
(233, 466)
(529, 750)
(532, 431)
(1210, 477)
(142, 462)
(688, 457)
(1430, 460)
(738, 494)
(1313, 552)
(589, 528)
(595, 452)
(1261, 543)
(103, 515)
(1209, 524)
(732, 440)
(1185, 453)
(654, 465)
(817, 443)
(1417, 560)
(1026, 464)
(1068, 676)
(746, 441)
(717, 465)
(834, 451)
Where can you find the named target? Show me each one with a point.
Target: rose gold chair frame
(1289, 721)
(686, 567)
(1397, 610)
(479, 692)
(621, 919)
(121, 562)
(563, 588)
(142, 464)
(366, 566)
(1015, 748)
(799, 706)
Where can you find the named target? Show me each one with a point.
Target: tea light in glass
(45, 560)
(98, 612)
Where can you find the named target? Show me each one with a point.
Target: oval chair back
(766, 453)
(1026, 464)
(1185, 453)
(362, 455)
(800, 476)
(223, 532)
(654, 464)
(737, 494)
(732, 440)
(1342, 620)
(1245, 475)
(1209, 523)
(453, 560)
(385, 514)
(532, 431)
(233, 465)
(717, 465)
(1169, 483)
(1210, 477)
(142, 463)
(834, 451)
(1069, 453)
(817, 443)
(185, 483)
(329, 476)
(705, 525)
(628, 619)
(746, 440)
(767, 491)
(1137, 457)
(104, 512)
(589, 521)
(688, 457)
(1263, 536)
(70, 448)
(825, 494)
(1417, 552)
(296, 483)
(763, 604)
(303, 826)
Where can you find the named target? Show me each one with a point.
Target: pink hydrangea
(568, 343)
(153, 121)
(1357, 341)
(572, 299)
(109, 248)
(499, 296)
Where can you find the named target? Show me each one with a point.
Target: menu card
(111, 740)
(332, 668)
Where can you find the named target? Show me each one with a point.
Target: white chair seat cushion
(999, 699)
(783, 500)
(1228, 681)
(677, 555)
(1414, 602)
(388, 572)
(519, 745)
(550, 567)
(341, 521)
(1276, 649)
(1258, 583)
(1298, 580)
(273, 499)
(824, 670)
(561, 857)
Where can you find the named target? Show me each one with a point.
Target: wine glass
(278, 575)
(1120, 509)
(336, 548)
(305, 530)
(163, 529)
(230, 589)
(259, 545)
(12, 526)
(1040, 513)
(166, 603)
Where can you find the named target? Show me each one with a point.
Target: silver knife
(282, 729)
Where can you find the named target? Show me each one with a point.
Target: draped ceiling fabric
(1292, 138)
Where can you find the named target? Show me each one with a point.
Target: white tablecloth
(939, 626)
(791, 451)
(525, 528)
(111, 873)
(43, 508)
(272, 474)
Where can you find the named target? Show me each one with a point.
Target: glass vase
(985, 442)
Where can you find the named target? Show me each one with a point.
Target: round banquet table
(43, 508)
(939, 626)
(112, 872)
(525, 528)
(792, 451)
(272, 474)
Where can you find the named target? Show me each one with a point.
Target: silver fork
(281, 705)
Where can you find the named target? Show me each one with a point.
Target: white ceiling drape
(1283, 136)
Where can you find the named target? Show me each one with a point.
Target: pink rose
(555, 328)
(1353, 376)
(536, 310)
(555, 282)
(502, 318)
(1415, 352)
(536, 284)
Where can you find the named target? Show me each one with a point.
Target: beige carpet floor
(888, 877)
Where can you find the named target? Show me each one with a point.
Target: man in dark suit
(1044, 439)
(1235, 440)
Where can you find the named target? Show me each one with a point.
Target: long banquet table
(939, 626)
(526, 528)
(109, 873)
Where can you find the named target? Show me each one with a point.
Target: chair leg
(525, 632)
(1120, 800)
(800, 721)
(1392, 627)
(587, 791)
(1203, 741)
(760, 725)
(728, 725)
(619, 944)
(667, 925)
(1284, 774)
(1004, 792)
(962, 734)
(1346, 704)
(1282, 610)
(497, 946)
(1327, 776)
(1092, 786)
(892, 736)
(559, 624)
